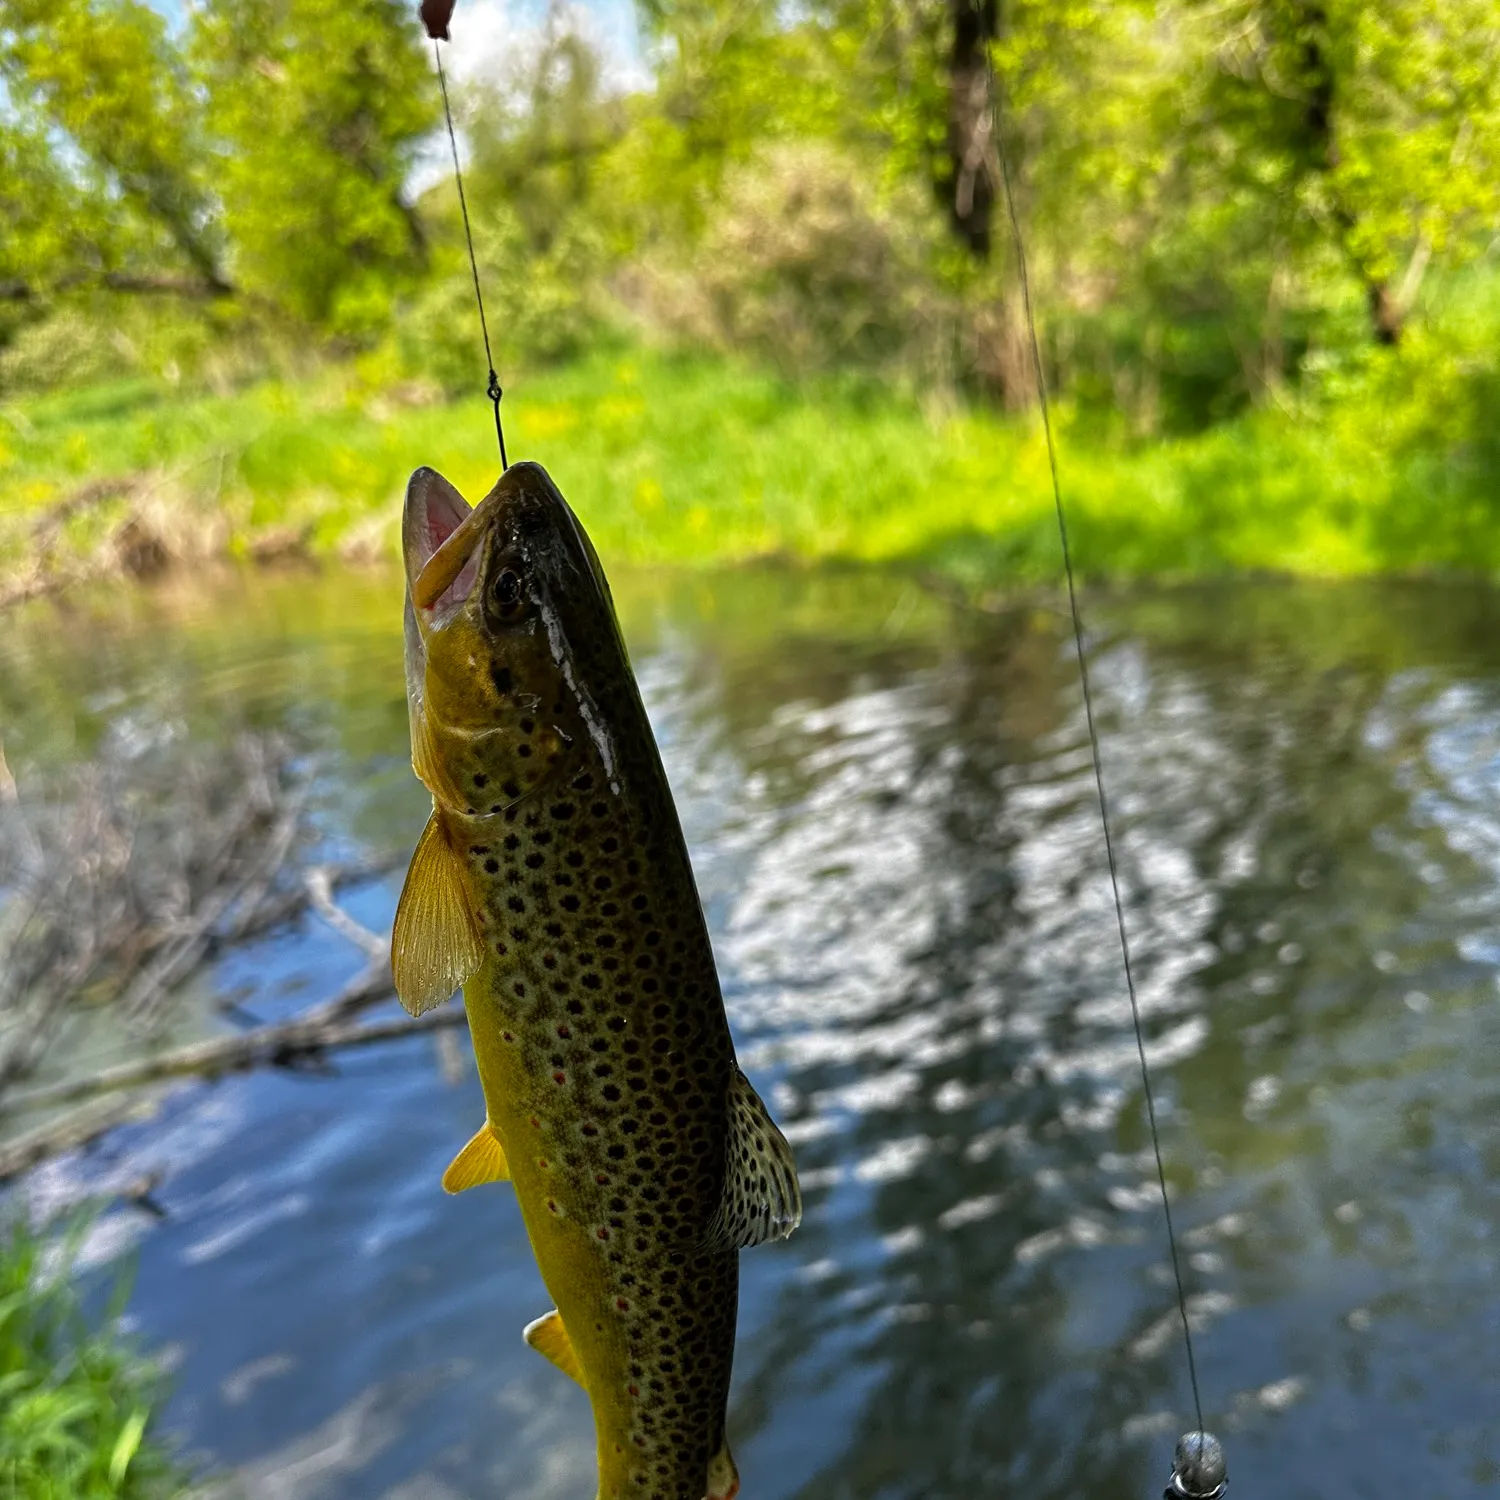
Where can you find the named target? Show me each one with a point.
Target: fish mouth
(444, 569)
(524, 494)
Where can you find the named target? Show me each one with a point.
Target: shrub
(542, 306)
(808, 267)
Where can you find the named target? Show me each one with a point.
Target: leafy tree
(317, 108)
(1379, 120)
(540, 138)
(101, 165)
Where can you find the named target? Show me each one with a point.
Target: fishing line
(998, 144)
(493, 390)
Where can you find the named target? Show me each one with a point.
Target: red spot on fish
(622, 1304)
(602, 1233)
(508, 1037)
(563, 1032)
(552, 1205)
(541, 1161)
(634, 1390)
(536, 1124)
(559, 1078)
(602, 1178)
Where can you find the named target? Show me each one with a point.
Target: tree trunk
(1321, 153)
(965, 182)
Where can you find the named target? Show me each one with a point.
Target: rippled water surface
(892, 818)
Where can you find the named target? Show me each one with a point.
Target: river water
(891, 813)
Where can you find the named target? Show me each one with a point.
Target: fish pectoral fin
(723, 1477)
(482, 1160)
(762, 1200)
(435, 943)
(548, 1336)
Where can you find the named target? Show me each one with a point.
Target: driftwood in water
(71, 1132)
(124, 888)
(280, 1045)
(124, 883)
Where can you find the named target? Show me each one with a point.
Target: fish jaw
(492, 711)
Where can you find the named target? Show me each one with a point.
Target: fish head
(508, 619)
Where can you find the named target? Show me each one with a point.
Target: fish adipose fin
(482, 1160)
(723, 1477)
(548, 1336)
(762, 1201)
(435, 944)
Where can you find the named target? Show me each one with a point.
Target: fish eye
(507, 595)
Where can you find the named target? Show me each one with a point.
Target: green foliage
(75, 1402)
(543, 304)
(1388, 463)
(316, 108)
(806, 267)
(104, 76)
(1227, 206)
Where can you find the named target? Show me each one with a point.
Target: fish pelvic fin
(548, 1336)
(723, 1477)
(762, 1200)
(482, 1160)
(435, 943)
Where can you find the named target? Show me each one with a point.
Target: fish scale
(554, 881)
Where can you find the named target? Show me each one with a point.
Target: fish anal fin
(723, 1477)
(482, 1160)
(762, 1201)
(435, 943)
(548, 1336)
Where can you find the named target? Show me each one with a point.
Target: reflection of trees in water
(1014, 1322)
(910, 902)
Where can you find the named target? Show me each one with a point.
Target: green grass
(75, 1400)
(692, 460)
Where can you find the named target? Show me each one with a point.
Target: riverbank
(696, 461)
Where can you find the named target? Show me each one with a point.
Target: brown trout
(552, 882)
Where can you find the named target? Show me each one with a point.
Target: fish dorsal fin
(435, 943)
(762, 1201)
(482, 1160)
(548, 1336)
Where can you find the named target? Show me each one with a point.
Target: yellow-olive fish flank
(553, 884)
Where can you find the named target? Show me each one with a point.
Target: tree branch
(276, 1046)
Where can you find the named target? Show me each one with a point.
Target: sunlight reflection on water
(897, 843)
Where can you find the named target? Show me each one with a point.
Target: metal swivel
(1199, 1471)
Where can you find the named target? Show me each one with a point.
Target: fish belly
(652, 1321)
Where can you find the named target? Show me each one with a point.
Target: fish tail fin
(723, 1477)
